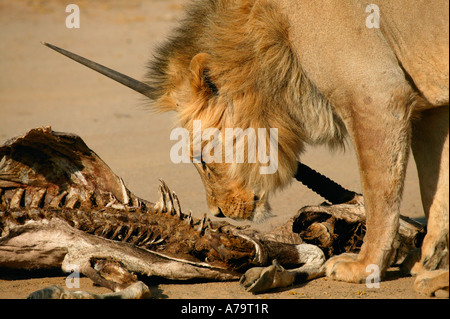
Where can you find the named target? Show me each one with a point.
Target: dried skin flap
(332, 234)
(55, 170)
(341, 228)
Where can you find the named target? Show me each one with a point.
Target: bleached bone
(137, 290)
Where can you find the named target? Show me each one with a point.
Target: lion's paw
(433, 283)
(345, 268)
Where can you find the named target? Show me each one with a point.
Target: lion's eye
(255, 198)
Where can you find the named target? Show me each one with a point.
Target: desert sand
(39, 88)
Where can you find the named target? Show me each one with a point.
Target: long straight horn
(136, 85)
(322, 185)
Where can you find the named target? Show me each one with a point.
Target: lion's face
(199, 93)
(228, 195)
(230, 198)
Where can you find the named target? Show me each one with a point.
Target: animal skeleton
(61, 205)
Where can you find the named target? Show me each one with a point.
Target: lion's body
(314, 70)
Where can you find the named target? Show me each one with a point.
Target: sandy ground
(39, 87)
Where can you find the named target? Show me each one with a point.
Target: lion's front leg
(381, 136)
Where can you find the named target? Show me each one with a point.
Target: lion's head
(230, 66)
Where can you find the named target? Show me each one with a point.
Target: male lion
(315, 71)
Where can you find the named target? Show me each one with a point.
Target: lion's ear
(200, 79)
